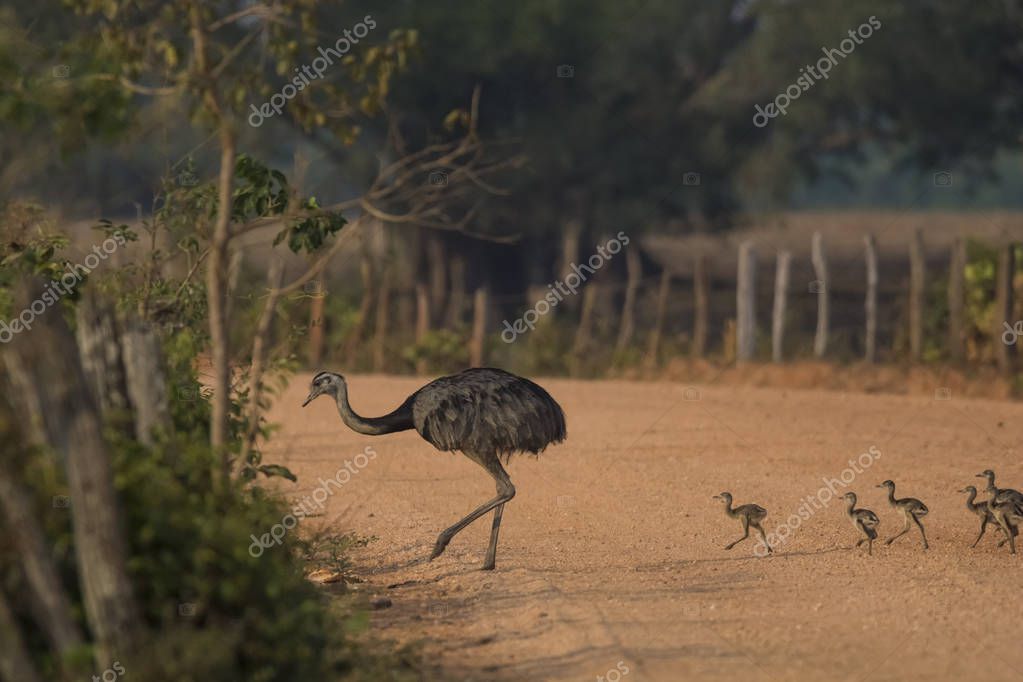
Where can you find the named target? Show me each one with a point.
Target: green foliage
(441, 349)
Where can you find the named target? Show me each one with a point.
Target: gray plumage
(983, 513)
(487, 414)
(487, 410)
(864, 520)
(912, 511)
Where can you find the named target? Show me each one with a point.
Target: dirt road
(611, 556)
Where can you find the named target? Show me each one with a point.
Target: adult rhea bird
(488, 414)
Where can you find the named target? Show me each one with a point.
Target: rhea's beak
(312, 396)
(981, 476)
(716, 497)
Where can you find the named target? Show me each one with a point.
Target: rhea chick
(864, 520)
(749, 515)
(983, 513)
(912, 510)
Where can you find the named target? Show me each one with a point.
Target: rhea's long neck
(850, 504)
(398, 420)
(891, 495)
(972, 495)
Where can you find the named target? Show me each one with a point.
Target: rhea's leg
(505, 492)
(921, 527)
(488, 563)
(905, 529)
(745, 533)
(763, 537)
(983, 527)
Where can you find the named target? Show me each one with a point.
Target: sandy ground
(611, 555)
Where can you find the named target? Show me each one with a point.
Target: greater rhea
(749, 515)
(983, 513)
(999, 495)
(487, 414)
(912, 509)
(863, 520)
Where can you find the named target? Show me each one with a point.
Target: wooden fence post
(701, 306)
(634, 274)
(956, 287)
(745, 303)
(1004, 308)
(781, 291)
(663, 292)
(821, 287)
(479, 327)
(917, 280)
(870, 305)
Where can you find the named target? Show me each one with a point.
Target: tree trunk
(820, 269)
(1004, 308)
(317, 323)
(634, 274)
(870, 305)
(570, 238)
(584, 332)
(781, 292)
(422, 321)
(382, 319)
(479, 327)
(663, 292)
(917, 278)
(701, 306)
(147, 388)
(456, 293)
(745, 304)
(100, 352)
(41, 574)
(956, 289)
(260, 354)
(74, 428)
(436, 261)
(216, 296)
(355, 337)
(15, 662)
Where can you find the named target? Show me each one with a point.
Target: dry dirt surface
(612, 566)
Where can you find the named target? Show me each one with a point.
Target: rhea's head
(724, 497)
(887, 484)
(324, 383)
(850, 497)
(988, 474)
(968, 489)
